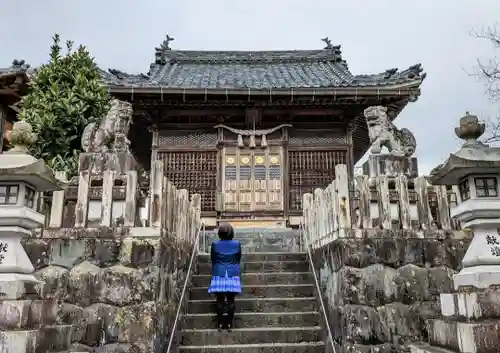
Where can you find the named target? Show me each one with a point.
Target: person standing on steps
(225, 284)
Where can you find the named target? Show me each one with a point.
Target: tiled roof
(323, 68)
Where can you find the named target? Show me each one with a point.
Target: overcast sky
(375, 36)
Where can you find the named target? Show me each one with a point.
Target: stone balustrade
(348, 208)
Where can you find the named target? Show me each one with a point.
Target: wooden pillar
(286, 172)
(219, 199)
(154, 143)
(350, 151)
(156, 199)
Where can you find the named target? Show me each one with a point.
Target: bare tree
(489, 71)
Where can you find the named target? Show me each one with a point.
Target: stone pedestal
(96, 163)
(469, 324)
(391, 166)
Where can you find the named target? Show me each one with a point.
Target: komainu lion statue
(383, 133)
(112, 132)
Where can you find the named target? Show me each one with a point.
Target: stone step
(289, 304)
(245, 320)
(283, 238)
(256, 248)
(248, 279)
(262, 291)
(263, 257)
(268, 266)
(302, 347)
(251, 335)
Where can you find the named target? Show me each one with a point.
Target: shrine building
(252, 131)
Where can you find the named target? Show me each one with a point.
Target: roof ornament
(160, 51)
(19, 66)
(328, 43)
(390, 72)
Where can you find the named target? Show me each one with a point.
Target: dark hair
(226, 231)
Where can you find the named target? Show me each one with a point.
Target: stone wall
(111, 294)
(105, 286)
(381, 287)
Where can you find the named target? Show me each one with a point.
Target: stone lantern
(22, 179)
(475, 168)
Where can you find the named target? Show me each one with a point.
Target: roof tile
(255, 70)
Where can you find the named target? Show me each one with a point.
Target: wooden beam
(201, 112)
(301, 112)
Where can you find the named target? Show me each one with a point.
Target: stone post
(22, 178)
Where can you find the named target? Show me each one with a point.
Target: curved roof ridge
(247, 56)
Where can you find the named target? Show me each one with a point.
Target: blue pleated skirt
(224, 284)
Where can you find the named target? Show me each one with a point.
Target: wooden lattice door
(253, 179)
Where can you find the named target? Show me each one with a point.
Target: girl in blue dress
(225, 284)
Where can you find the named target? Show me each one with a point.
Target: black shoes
(225, 323)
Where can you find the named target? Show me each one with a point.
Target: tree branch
(489, 71)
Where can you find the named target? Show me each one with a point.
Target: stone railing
(346, 208)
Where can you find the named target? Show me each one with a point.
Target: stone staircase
(277, 311)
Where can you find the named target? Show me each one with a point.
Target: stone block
(14, 314)
(393, 250)
(473, 305)
(362, 348)
(138, 252)
(43, 312)
(121, 348)
(98, 324)
(136, 323)
(55, 281)
(18, 341)
(421, 347)
(68, 252)
(37, 251)
(96, 163)
(19, 286)
(120, 285)
(54, 338)
(70, 314)
(105, 252)
(392, 166)
(465, 337)
(83, 284)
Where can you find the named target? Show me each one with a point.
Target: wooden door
(252, 179)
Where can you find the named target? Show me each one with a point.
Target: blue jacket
(226, 256)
